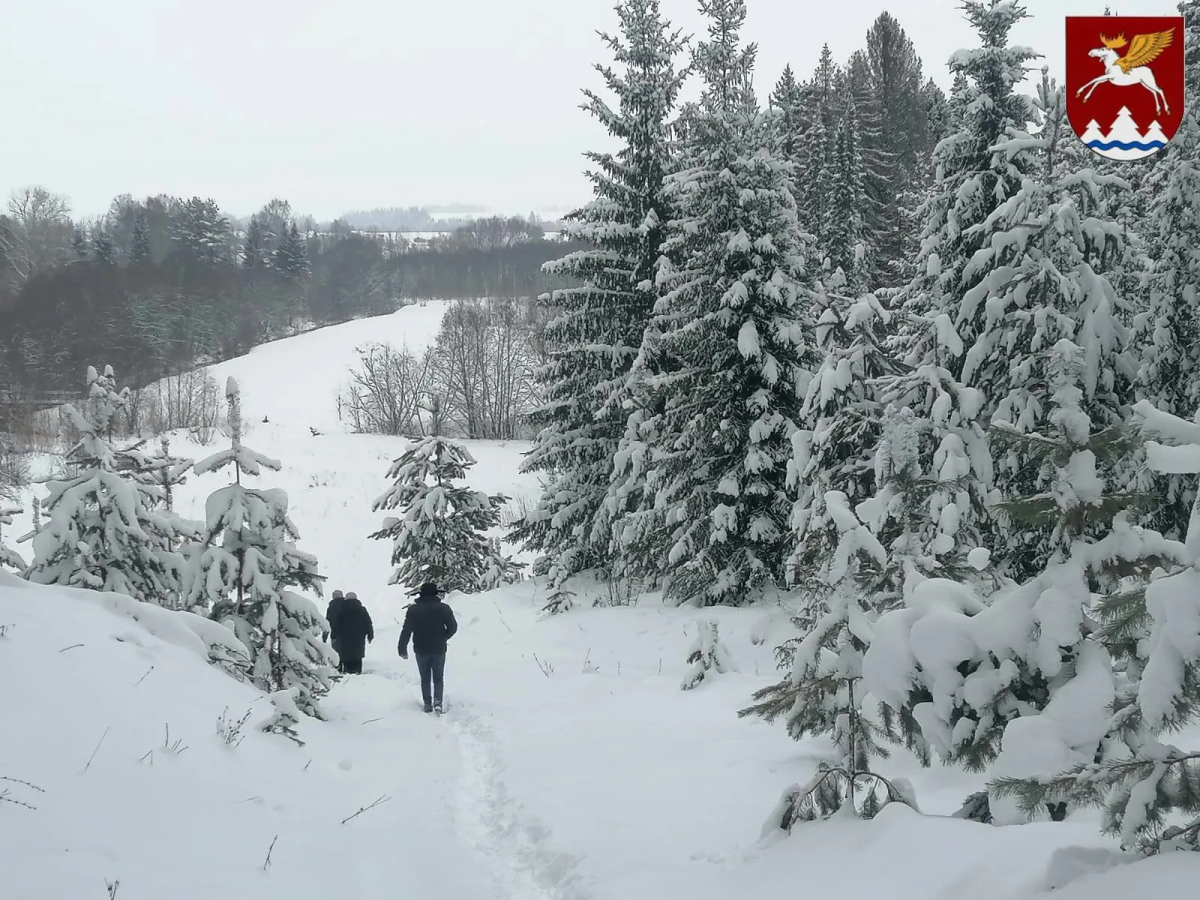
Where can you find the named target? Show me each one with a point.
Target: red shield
(1125, 82)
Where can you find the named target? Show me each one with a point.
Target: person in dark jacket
(331, 613)
(354, 629)
(430, 623)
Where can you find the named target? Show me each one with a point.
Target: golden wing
(1146, 48)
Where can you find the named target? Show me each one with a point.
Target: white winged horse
(1132, 68)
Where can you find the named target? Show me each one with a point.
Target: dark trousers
(352, 666)
(432, 667)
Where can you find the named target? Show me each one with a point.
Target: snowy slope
(119, 730)
(294, 381)
(569, 765)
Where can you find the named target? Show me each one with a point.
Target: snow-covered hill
(295, 381)
(569, 765)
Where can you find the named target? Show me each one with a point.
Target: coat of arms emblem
(1125, 82)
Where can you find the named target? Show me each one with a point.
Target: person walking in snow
(354, 629)
(430, 623)
(331, 614)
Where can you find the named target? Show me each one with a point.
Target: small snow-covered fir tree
(1150, 792)
(243, 568)
(823, 695)
(102, 530)
(732, 320)
(9, 557)
(157, 475)
(840, 422)
(932, 471)
(1071, 499)
(707, 654)
(440, 535)
(596, 335)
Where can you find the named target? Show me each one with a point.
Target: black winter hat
(429, 589)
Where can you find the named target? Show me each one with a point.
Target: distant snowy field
(569, 765)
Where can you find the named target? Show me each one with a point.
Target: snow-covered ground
(569, 764)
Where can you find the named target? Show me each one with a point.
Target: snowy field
(569, 764)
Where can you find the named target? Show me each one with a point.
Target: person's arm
(451, 622)
(370, 625)
(405, 634)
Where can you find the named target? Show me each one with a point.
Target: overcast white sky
(343, 104)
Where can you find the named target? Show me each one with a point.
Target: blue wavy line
(1122, 145)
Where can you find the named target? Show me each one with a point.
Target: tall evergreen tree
(789, 100)
(203, 233)
(937, 459)
(962, 92)
(937, 119)
(139, 252)
(254, 254)
(598, 331)
(732, 319)
(291, 257)
(846, 226)
(242, 571)
(1040, 278)
(104, 249)
(813, 177)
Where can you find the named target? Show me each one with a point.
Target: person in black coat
(331, 613)
(430, 623)
(354, 630)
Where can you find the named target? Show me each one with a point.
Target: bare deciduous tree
(388, 391)
(37, 233)
(484, 364)
(189, 400)
(494, 232)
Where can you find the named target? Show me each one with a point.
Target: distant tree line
(418, 218)
(162, 284)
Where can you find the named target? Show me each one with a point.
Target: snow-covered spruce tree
(789, 102)
(845, 226)
(973, 179)
(1018, 683)
(241, 573)
(936, 466)
(599, 327)
(1041, 278)
(812, 176)
(932, 469)
(9, 557)
(1150, 792)
(822, 694)
(732, 319)
(157, 474)
(102, 530)
(441, 533)
(1071, 498)
(1168, 330)
(708, 653)
(841, 424)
